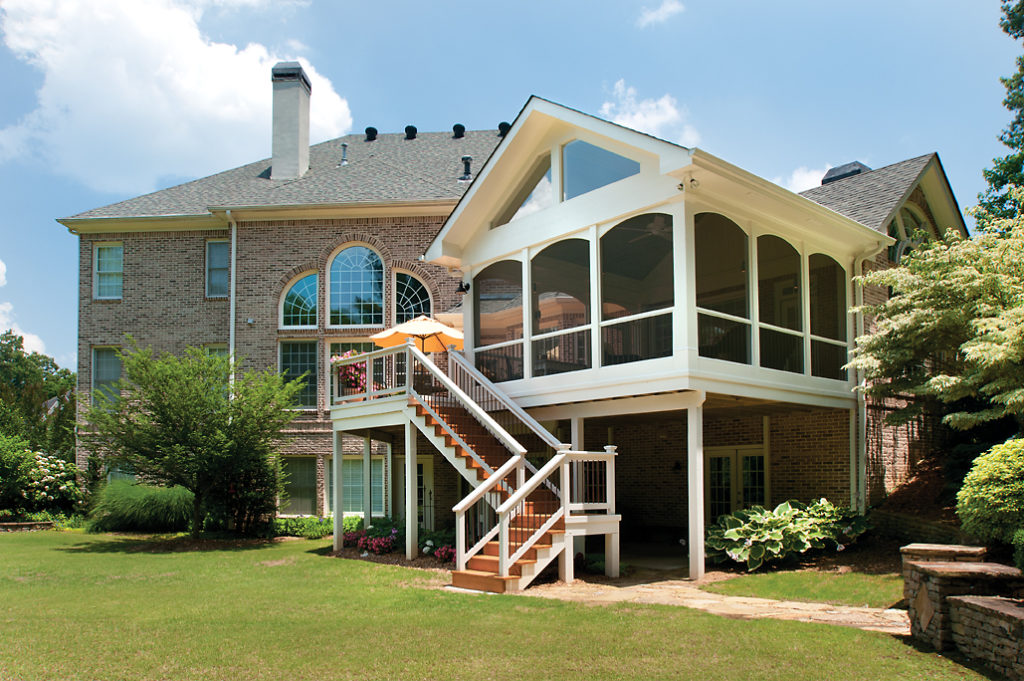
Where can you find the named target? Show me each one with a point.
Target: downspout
(231, 291)
(861, 454)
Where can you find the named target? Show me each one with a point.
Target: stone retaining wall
(26, 527)
(991, 630)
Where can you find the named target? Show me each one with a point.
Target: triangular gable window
(535, 194)
(586, 168)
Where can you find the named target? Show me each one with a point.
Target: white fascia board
(609, 204)
(154, 223)
(935, 184)
(338, 210)
(859, 237)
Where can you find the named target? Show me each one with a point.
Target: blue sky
(107, 99)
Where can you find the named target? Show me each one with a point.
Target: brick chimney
(291, 121)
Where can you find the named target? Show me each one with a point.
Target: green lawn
(851, 588)
(75, 606)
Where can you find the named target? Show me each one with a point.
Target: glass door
(734, 478)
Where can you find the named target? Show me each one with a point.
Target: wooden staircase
(481, 574)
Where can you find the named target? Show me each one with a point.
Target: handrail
(486, 486)
(510, 442)
(372, 354)
(539, 430)
(454, 435)
(533, 483)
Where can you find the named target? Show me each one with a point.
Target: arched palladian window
(723, 296)
(779, 309)
(637, 289)
(498, 307)
(412, 298)
(560, 276)
(298, 307)
(357, 288)
(828, 317)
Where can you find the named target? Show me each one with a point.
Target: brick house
(681, 309)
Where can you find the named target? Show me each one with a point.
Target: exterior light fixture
(463, 287)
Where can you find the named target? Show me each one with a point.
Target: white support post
(611, 540)
(389, 477)
(412, 541)
(566, 568)
(367, 487)
(339, 514)
(579, 542)
(695, 487)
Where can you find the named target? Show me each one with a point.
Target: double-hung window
(216, 269)
(106, 372)
(298, 358)
(108, 271)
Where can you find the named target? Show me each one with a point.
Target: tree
(180, 421)
(1008, 170)
(952, 332)
(37, 400)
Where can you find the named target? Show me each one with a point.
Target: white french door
(734, 478)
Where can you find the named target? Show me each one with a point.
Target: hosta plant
(756, 536)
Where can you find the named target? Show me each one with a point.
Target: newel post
(610, 478)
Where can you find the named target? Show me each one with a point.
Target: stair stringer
(544, 556)
(450, 452)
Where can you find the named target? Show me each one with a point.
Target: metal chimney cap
(285, 71)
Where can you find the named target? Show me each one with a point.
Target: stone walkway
(683, 592)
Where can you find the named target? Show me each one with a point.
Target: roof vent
(466, 174)
(458, 131)
(410, 132)
(344, 153)
(371, 134)
(503, 128)
(844, 171)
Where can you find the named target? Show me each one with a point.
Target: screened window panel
(217, 253)
(411, 298)
(778, 283)
(106, 372)
(637, 340)
(782, 351)
(300, 486)
(357, 288)
(636, 266)
(561, 286)
(827, 360)
(109, 271)
(726, 339)
(562, 353)
(828, 297)
(501, 364)
(498, 303)
(587, 167)
(721, 258)
(352, 490)
(299, 308)
(298, 357)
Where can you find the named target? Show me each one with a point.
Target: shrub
(125, 506)
(991, 502)
(445, 553)
(308, 527)
(34, 481)
(433, 540)
(756, 536)
(16, 465)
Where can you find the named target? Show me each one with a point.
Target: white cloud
(32, 342)
(659, 117)
(3, 273)
(133, 91)
(660, 14)
(803, 178)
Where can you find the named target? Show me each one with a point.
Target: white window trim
(281, 341)
(96, 273)
(394, 292)
(385, 279)
(284, 293)
(206, 271)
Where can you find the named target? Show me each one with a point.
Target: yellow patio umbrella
(430, 334)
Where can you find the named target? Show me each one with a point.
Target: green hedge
(126, 506)
(991, 502)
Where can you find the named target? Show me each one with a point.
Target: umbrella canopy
(430, 334)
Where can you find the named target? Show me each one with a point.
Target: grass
(77, 606)
(850, 588)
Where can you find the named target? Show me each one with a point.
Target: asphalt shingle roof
(391, 168)
(871, 197)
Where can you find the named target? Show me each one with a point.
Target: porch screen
(779, 305)
(723, 295)
(828, 317)
(561, 301)
(498, 307)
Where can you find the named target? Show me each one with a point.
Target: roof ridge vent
(844, 171)
(458, 131)
(410, 132)
(371, 134)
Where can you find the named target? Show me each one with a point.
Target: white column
(527, 315)
(412, 546)
(579, 542)
(339, 515)
(367, 487)
(611, 540)
(695, 487)
(389, 477)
